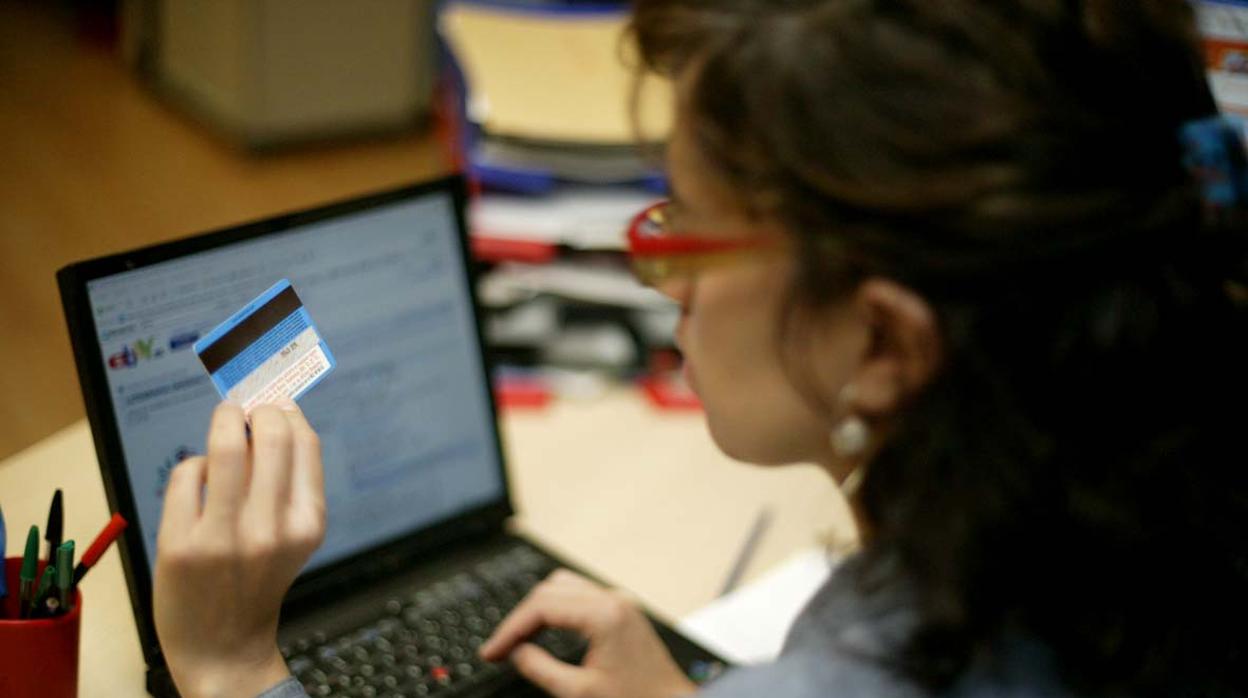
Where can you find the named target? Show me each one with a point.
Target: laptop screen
(405, 424)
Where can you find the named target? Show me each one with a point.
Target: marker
(44, 593)
(30, 568)
(50, 607)
(53, 531)
(65, 572)
(115, 526)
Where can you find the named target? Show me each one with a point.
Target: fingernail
(287, 405)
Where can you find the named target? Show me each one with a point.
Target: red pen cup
(38, 658)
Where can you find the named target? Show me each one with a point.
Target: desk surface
(639, 497)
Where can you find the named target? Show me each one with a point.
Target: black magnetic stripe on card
(245, 333)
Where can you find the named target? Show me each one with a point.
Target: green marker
(44, 591)
(30, 569)
(64, 573)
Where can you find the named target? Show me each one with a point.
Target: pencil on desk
(761, 523)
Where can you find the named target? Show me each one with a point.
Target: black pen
(52, 533)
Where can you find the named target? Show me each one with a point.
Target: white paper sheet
(748, 626)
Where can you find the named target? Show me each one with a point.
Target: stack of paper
(584, 218)
(551, 137)
(549, 94)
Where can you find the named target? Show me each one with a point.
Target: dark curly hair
(1075, 472)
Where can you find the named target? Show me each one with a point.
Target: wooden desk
(639, 497)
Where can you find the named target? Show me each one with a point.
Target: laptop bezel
(334, 577)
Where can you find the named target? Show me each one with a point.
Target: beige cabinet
(269, 72)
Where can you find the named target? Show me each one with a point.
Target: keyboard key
(433, 643)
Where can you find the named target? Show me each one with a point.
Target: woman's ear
(903, 353)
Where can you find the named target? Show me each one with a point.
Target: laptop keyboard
(425, 644)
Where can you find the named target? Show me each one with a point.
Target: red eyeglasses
(659, 253)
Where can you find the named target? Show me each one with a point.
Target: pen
(747, 550)
(43, 594)
(30, 568)
(115, 526)
(65, 573)
(53, 531)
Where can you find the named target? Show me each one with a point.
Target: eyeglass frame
(656, 259)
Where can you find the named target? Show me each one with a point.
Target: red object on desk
(522, 393)
(489, 249)
(38, 658)
(667, 394)
(664, 384)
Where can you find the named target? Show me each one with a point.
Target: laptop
(417, 566)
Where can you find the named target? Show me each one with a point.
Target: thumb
(557, 678)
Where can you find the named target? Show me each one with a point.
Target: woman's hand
(626, 659)
(238, 526)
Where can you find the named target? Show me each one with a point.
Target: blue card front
(268, 350)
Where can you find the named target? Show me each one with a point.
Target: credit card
(268, 350)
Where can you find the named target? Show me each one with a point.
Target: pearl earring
(850, 438)
(851, 435)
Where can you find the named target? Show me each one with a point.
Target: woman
(986, 258)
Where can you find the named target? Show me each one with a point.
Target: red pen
(115, 526)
